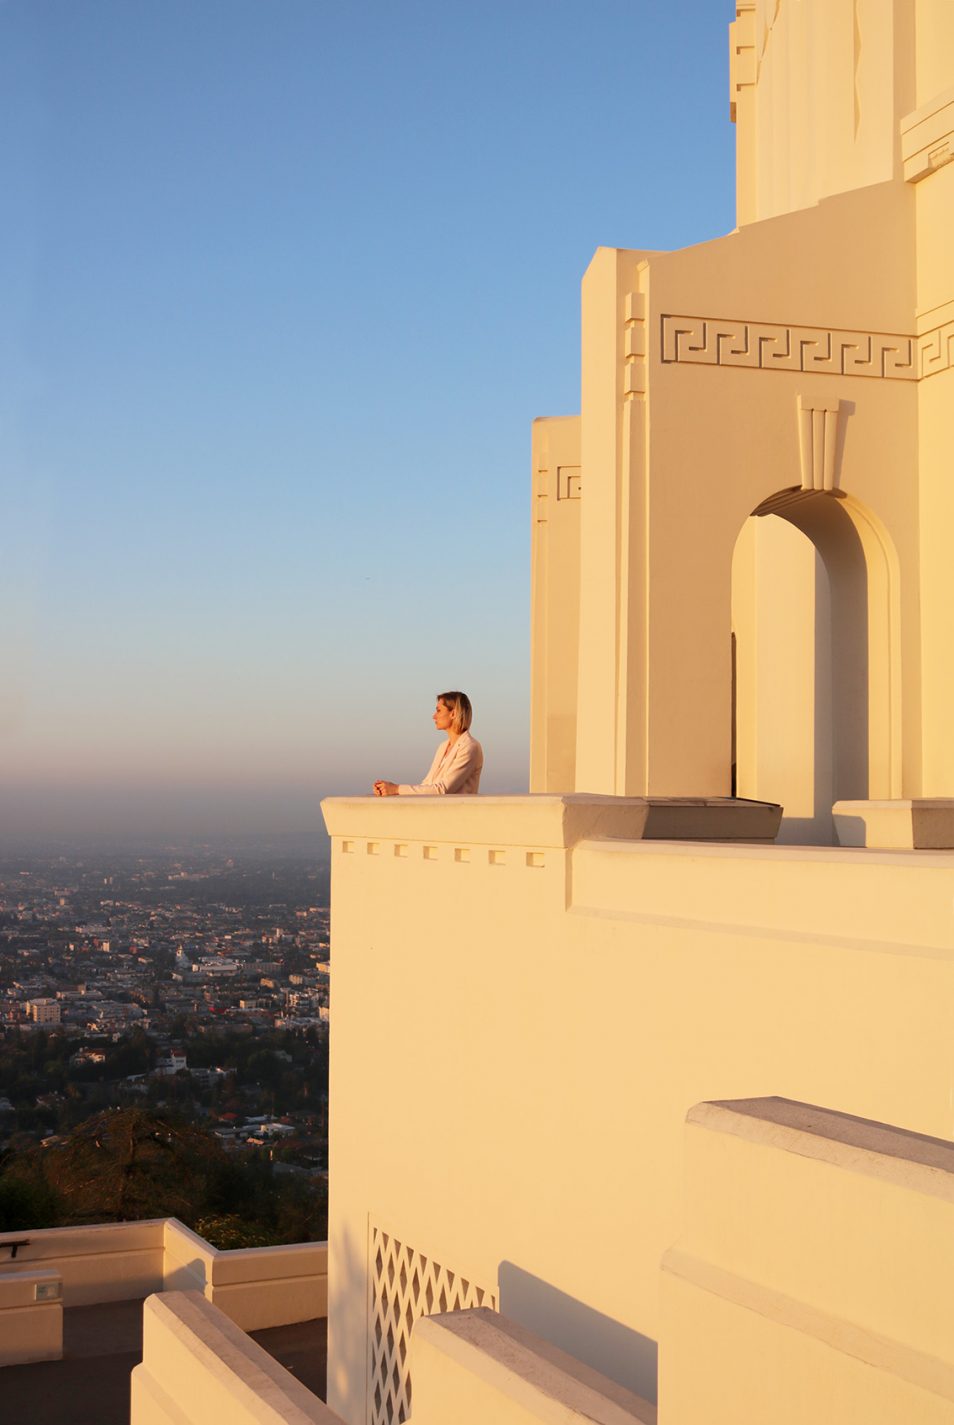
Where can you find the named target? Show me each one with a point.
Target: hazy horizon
(91, 809)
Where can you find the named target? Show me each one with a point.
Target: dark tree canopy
(124, 1165)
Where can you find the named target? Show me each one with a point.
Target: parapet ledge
(506, 1362)
(918, 824)
(927, 137)
(91, 1239)
(549, 821)
(198, 1365)
(860, 1145)
(814, 1268)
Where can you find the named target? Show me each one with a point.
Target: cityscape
(187, 982)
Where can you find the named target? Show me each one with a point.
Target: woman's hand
(385, 789)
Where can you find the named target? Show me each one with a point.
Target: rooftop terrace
(102, 1344)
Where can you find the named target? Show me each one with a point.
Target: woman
(458, 761)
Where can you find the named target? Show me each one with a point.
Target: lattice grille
(405, 1285)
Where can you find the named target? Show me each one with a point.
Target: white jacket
(456, 769)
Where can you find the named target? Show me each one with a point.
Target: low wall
(256, 1287)
(474, 1367)
(812, 1282)
(113, 1261)
(198, 1366)
(31, 1329)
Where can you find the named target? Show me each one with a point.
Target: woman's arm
(464, 759)
(391, 789)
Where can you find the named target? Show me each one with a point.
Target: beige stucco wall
(819, 87)
(934, 195)
(473, 1367)
(30, 1329)
(257, 1287)
(690, 421)
(811, 1282)
(524, 1013)
(812, 1278)
(518, 1039)
(934, 38)
(698, 367)
(112, 1261)
(199, 1366)
(612, 433)
(555, 612)
(781, 624)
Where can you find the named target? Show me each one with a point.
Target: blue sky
(284, 283)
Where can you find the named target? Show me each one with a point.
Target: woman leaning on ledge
(457, 763)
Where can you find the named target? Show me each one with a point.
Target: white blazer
(456, 769)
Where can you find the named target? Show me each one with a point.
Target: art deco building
(634, 1102)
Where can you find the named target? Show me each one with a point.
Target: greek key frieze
(715, 341)
(936, 350)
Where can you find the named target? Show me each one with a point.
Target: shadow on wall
(346, 1387)
(842, 713)
(606, 1345)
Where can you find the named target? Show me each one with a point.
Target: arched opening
(813, 703)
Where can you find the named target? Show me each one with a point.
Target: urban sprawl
(191, 980)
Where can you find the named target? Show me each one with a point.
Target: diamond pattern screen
(405, 1285)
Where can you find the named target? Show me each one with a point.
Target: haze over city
(284, 285)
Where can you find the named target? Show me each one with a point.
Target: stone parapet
(565, 1005)
(922, 824)
(31, 1316)
(258, 1287)
(472, 1367)
(547, 821)
(198, 1366)
(108, 1261)
(812, 1279)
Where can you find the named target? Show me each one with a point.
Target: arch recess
(816, 658)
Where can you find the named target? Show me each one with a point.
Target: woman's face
(443, 717)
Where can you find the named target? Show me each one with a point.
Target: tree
(27, 1203)
(124, 1164)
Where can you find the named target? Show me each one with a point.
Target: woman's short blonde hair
(458, 705)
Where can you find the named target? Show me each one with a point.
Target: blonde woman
(457, 763)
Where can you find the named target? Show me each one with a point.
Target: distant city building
(44, 1011)
(88, 1056)
(215, 965)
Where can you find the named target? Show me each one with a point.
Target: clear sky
(283, 283)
